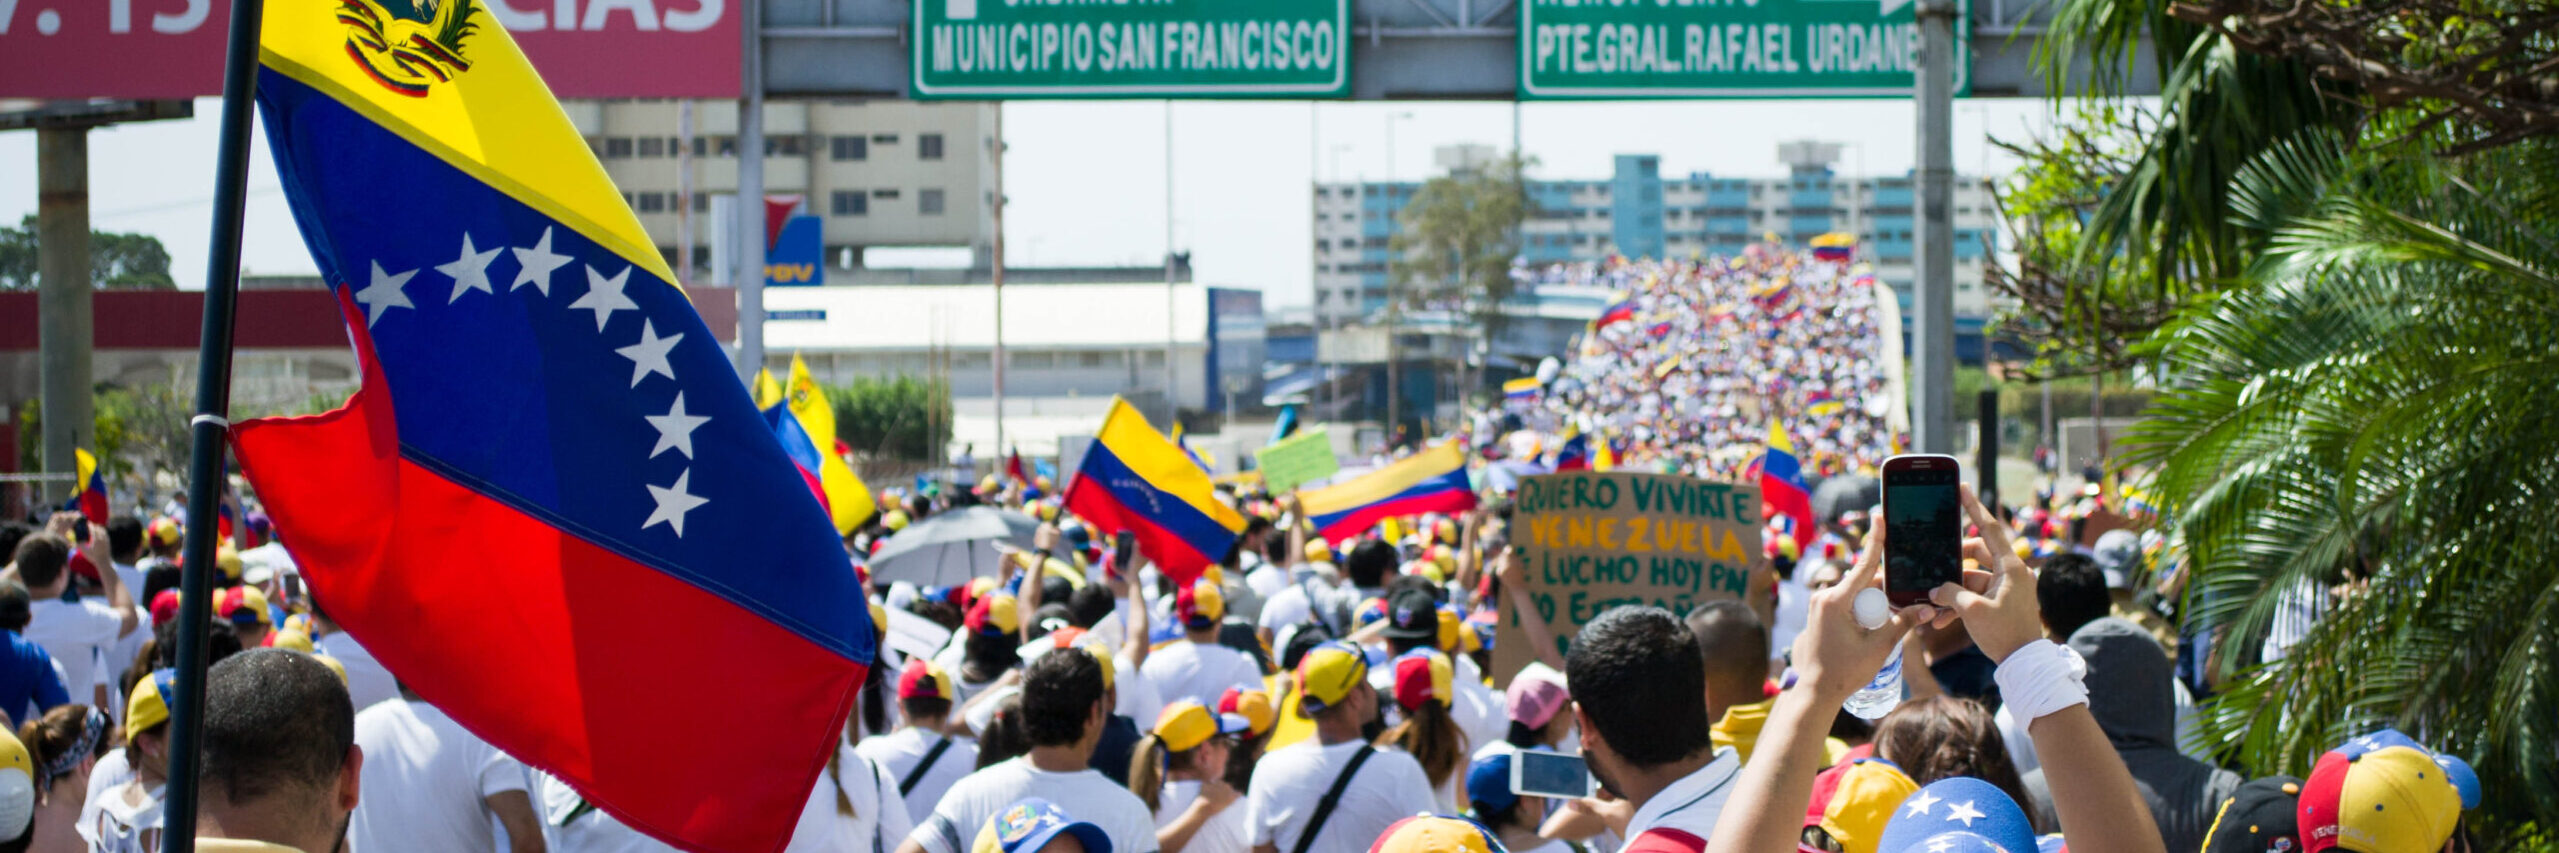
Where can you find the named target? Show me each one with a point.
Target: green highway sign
(989, 49)
(1612, 49)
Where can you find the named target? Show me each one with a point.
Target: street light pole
(1394, 304)
(1933, 415)
(1172, 401)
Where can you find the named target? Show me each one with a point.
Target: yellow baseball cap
(1327, 675)
(290, 639)
(334, 666)
(149, 705)
(1319, 551)
(17, 786)
(995, 613)
(1253, 705)
(1185, 725)
(894, 519)
(1200, 606)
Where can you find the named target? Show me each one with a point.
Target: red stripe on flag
(587, 664)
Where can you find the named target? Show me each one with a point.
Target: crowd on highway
(1304, 695)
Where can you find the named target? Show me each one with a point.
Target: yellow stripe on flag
(846, 497)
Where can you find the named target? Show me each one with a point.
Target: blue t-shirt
(27, 679)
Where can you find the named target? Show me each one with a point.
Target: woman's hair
(1943, 737)
(1431, 735)
(1524, 735)
(875, 706)
(1152, 764)
(52, 739)
(1241, 758)
(1004, 738)
(989, 655)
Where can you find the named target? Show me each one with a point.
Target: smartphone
(80, 532)
(1537, 773)
(1923, 526)
(1123, 551)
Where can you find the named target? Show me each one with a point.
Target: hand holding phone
(1923, 526)
(1538, 773)
(1123, 552)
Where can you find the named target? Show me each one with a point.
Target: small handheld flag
(1133, 478)
(91, 500)
(1781, 488)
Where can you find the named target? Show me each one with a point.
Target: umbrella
(951, 547)
(1845, 492)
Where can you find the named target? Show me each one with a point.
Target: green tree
(899, 417)
(116, 261)
(1459, 236)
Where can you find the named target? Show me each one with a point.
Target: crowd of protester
(1304, 695)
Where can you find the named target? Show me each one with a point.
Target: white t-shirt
(1224, 832)
(1794, 608)
(425, 781)
(1266, 580)
(120, 658)
(1085, 795)
(1284, 608)
(570, 825)
(368, 682)
(898, 752)
(1480, 713)
(879, 819)
(112, 825)
(1200, 672)
(1692, 803)
(1288, 783)
(1139, 699)
(78, 635)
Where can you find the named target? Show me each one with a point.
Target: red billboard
(68, 49)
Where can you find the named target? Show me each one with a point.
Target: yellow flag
(768, 390)
(846, 496)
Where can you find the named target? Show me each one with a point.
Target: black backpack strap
(907, 785)
(1332, 797)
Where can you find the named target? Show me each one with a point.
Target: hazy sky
(1087, 179)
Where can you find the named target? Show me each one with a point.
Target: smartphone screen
(1549, 774)
(1123, 551)
(1923, 526)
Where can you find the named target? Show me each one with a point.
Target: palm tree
(2375, 409)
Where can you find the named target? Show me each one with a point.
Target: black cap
(1412, 614)
(2259, 817)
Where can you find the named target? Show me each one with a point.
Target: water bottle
(1880, 695)
(1877, 698)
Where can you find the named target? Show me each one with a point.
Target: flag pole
(210, 427)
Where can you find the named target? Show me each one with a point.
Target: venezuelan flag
(1433, 480)
(1781, 487)
(1206, 461)
(1135, 479)
(1620, 309)
(848, 501)
(91, 500)
(1834, 246)
(796, 444)
(768, 390)
(1574, 455)
(1604, 456)
(544, 465)
(1523, 388)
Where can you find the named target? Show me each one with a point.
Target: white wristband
(2041, 677)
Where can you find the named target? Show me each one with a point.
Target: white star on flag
(384, 294)
(604, 295)
(538, 263)
(649, 355)
(469, 272)
(675, 428)
(1920, 804)
(1965, 812)
(673, 502)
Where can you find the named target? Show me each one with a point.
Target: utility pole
(1933, 380)
(1394, 300)
(63, 295)
(999, 277)
(750, 196)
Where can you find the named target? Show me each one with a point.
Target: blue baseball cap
(1028, 825)
(1967, 815)
(1488, 783)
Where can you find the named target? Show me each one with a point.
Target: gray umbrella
(951, 547)
(1845, 492)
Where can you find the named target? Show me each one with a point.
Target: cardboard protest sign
(1594, 540)
(1302, 458)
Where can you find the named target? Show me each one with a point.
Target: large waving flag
(91, 500)
(847, 499)
(1433, 480)
(543, 469)
(1135, 479)
(1781, 488)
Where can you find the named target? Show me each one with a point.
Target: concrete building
(1073, 338)
(1637, 212)
(877, 173)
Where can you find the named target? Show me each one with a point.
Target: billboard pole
(1932, 401)
(999, 277)
(750, 192)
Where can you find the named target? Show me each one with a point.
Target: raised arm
(2093, 794)
(1834, 656)
(1541, 639)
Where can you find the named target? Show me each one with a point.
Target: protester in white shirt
(78, 633)
(1289, 785)
(1196, 668)
(125, 549)
(124, 817)
(1179, 771)
(922, 759)
(432, 785)
(368, 682)
(855, 808)
(572, 825)
(1639, 687)
(1065, 703)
